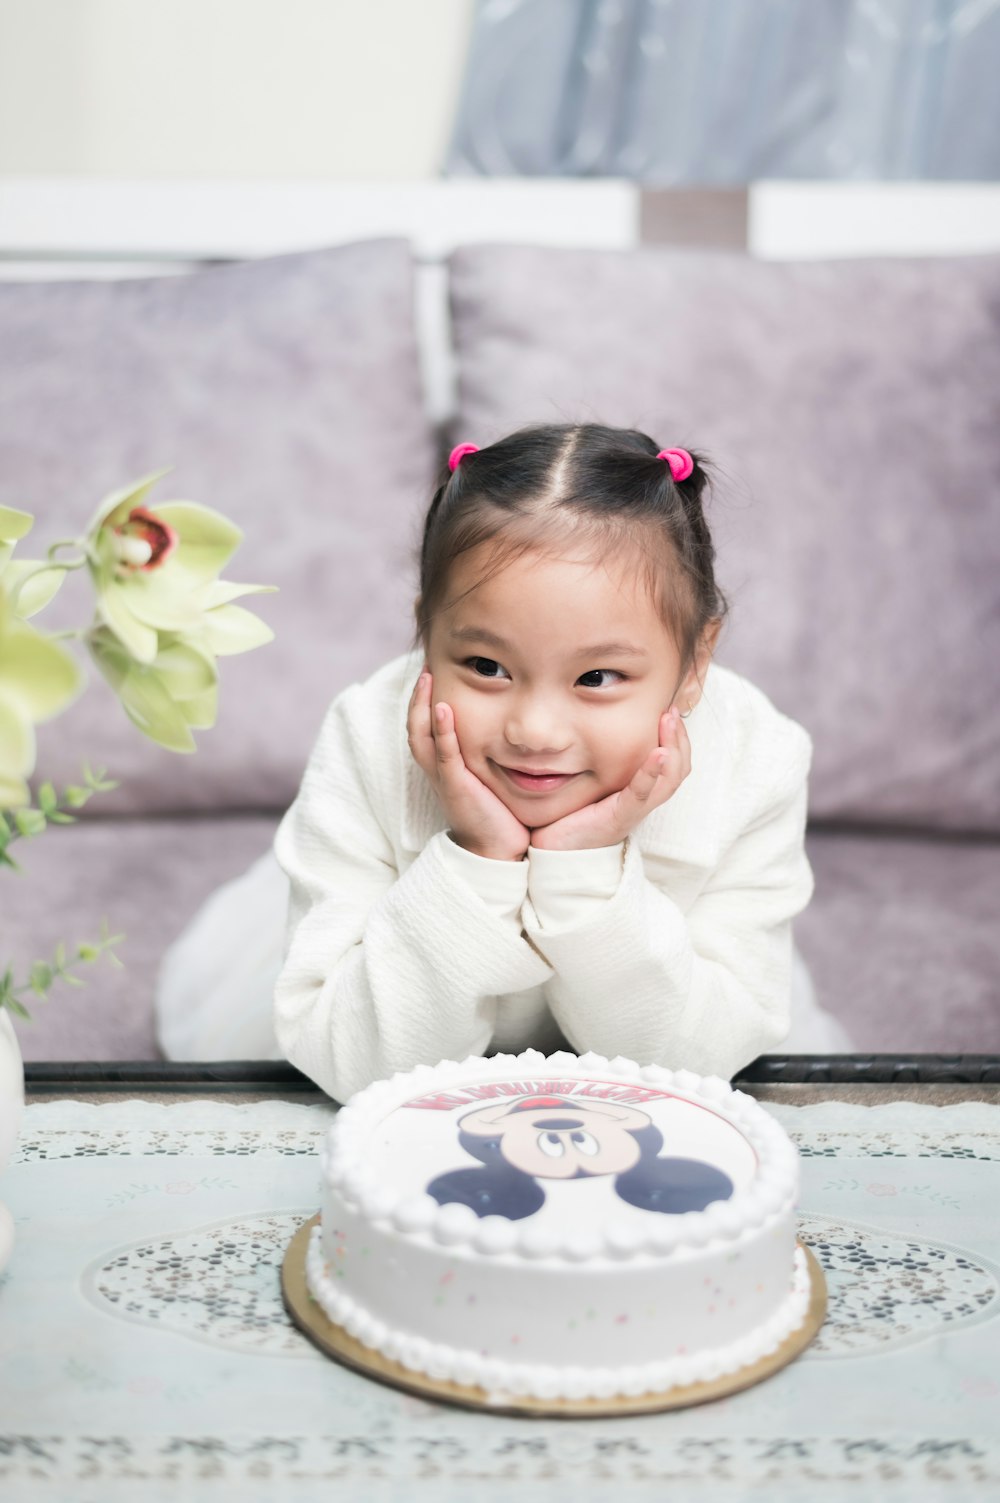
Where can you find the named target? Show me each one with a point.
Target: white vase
(11, 1107)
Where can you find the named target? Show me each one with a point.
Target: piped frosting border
(500, 1379)
(771, 1194)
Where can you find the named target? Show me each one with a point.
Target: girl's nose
(535, 726)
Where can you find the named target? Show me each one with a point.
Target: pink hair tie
(458, 453)
(680, 462)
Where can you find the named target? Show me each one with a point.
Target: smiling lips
(536, 782)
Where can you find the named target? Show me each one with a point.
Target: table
(145, 1354)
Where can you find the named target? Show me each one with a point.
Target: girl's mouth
(536, 782)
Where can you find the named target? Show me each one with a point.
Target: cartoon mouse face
(522, 1141)
(550, 1138)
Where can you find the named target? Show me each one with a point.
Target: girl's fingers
(662, 773)
(449, 753)
(671, 726)
(419, 727)
(644, 783)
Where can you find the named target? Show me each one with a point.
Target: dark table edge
(234, 1076)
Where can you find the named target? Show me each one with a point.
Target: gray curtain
(720, 92)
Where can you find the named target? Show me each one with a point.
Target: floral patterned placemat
(144, 1349)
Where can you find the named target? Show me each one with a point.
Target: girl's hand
(611, 819)
(477, 818)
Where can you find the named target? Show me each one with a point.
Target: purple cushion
(286, 393)
(851, 410)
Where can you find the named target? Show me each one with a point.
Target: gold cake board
(310, 1317)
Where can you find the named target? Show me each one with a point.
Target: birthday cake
(559, 1227)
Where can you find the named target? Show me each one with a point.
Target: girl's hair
(602, 487)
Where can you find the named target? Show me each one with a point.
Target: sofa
(850, 409)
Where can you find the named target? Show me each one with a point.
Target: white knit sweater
(673, 948)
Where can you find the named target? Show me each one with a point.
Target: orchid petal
(14, 524)
(206, 539)
(222, 591)
(164, 601)
(36, 594)
(36, 675)
(148, 705)
(185, 670)
(230, 629)
(200, 710)
(114, 509)
(17, 755)
(113, 609)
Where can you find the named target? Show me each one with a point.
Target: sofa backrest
(286, 393)
(850, 408)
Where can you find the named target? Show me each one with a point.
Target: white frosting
(587, 1294)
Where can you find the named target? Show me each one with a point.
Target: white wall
(229, 88)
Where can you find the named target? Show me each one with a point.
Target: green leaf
(47, 800)
(58, 818)
(87, 952)
(41, 978)
(75, 796)
(14, 1006)
(98, 781)
(70, 979)
(60, 955)
(29, 821)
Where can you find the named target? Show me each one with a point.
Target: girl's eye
(600, 678)
(486, 668)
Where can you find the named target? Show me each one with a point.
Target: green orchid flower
(38, 678)
(168, 698)
(30, 582)
(156, 571)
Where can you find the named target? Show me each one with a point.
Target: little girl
(557, 822)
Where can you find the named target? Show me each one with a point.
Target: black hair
(603, 485)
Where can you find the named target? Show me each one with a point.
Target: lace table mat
(144, 1350)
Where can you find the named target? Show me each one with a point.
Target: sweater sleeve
(708, 989)
(382, 970)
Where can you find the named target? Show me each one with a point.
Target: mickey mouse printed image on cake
(524, 1142)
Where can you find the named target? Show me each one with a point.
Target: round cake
(559, 1227)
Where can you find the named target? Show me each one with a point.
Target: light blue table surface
(145, 1353)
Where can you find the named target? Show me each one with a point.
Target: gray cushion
(851, 410)
(284, 392)
(901, 936)
(148, 878)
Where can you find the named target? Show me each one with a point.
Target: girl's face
(558, 670)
